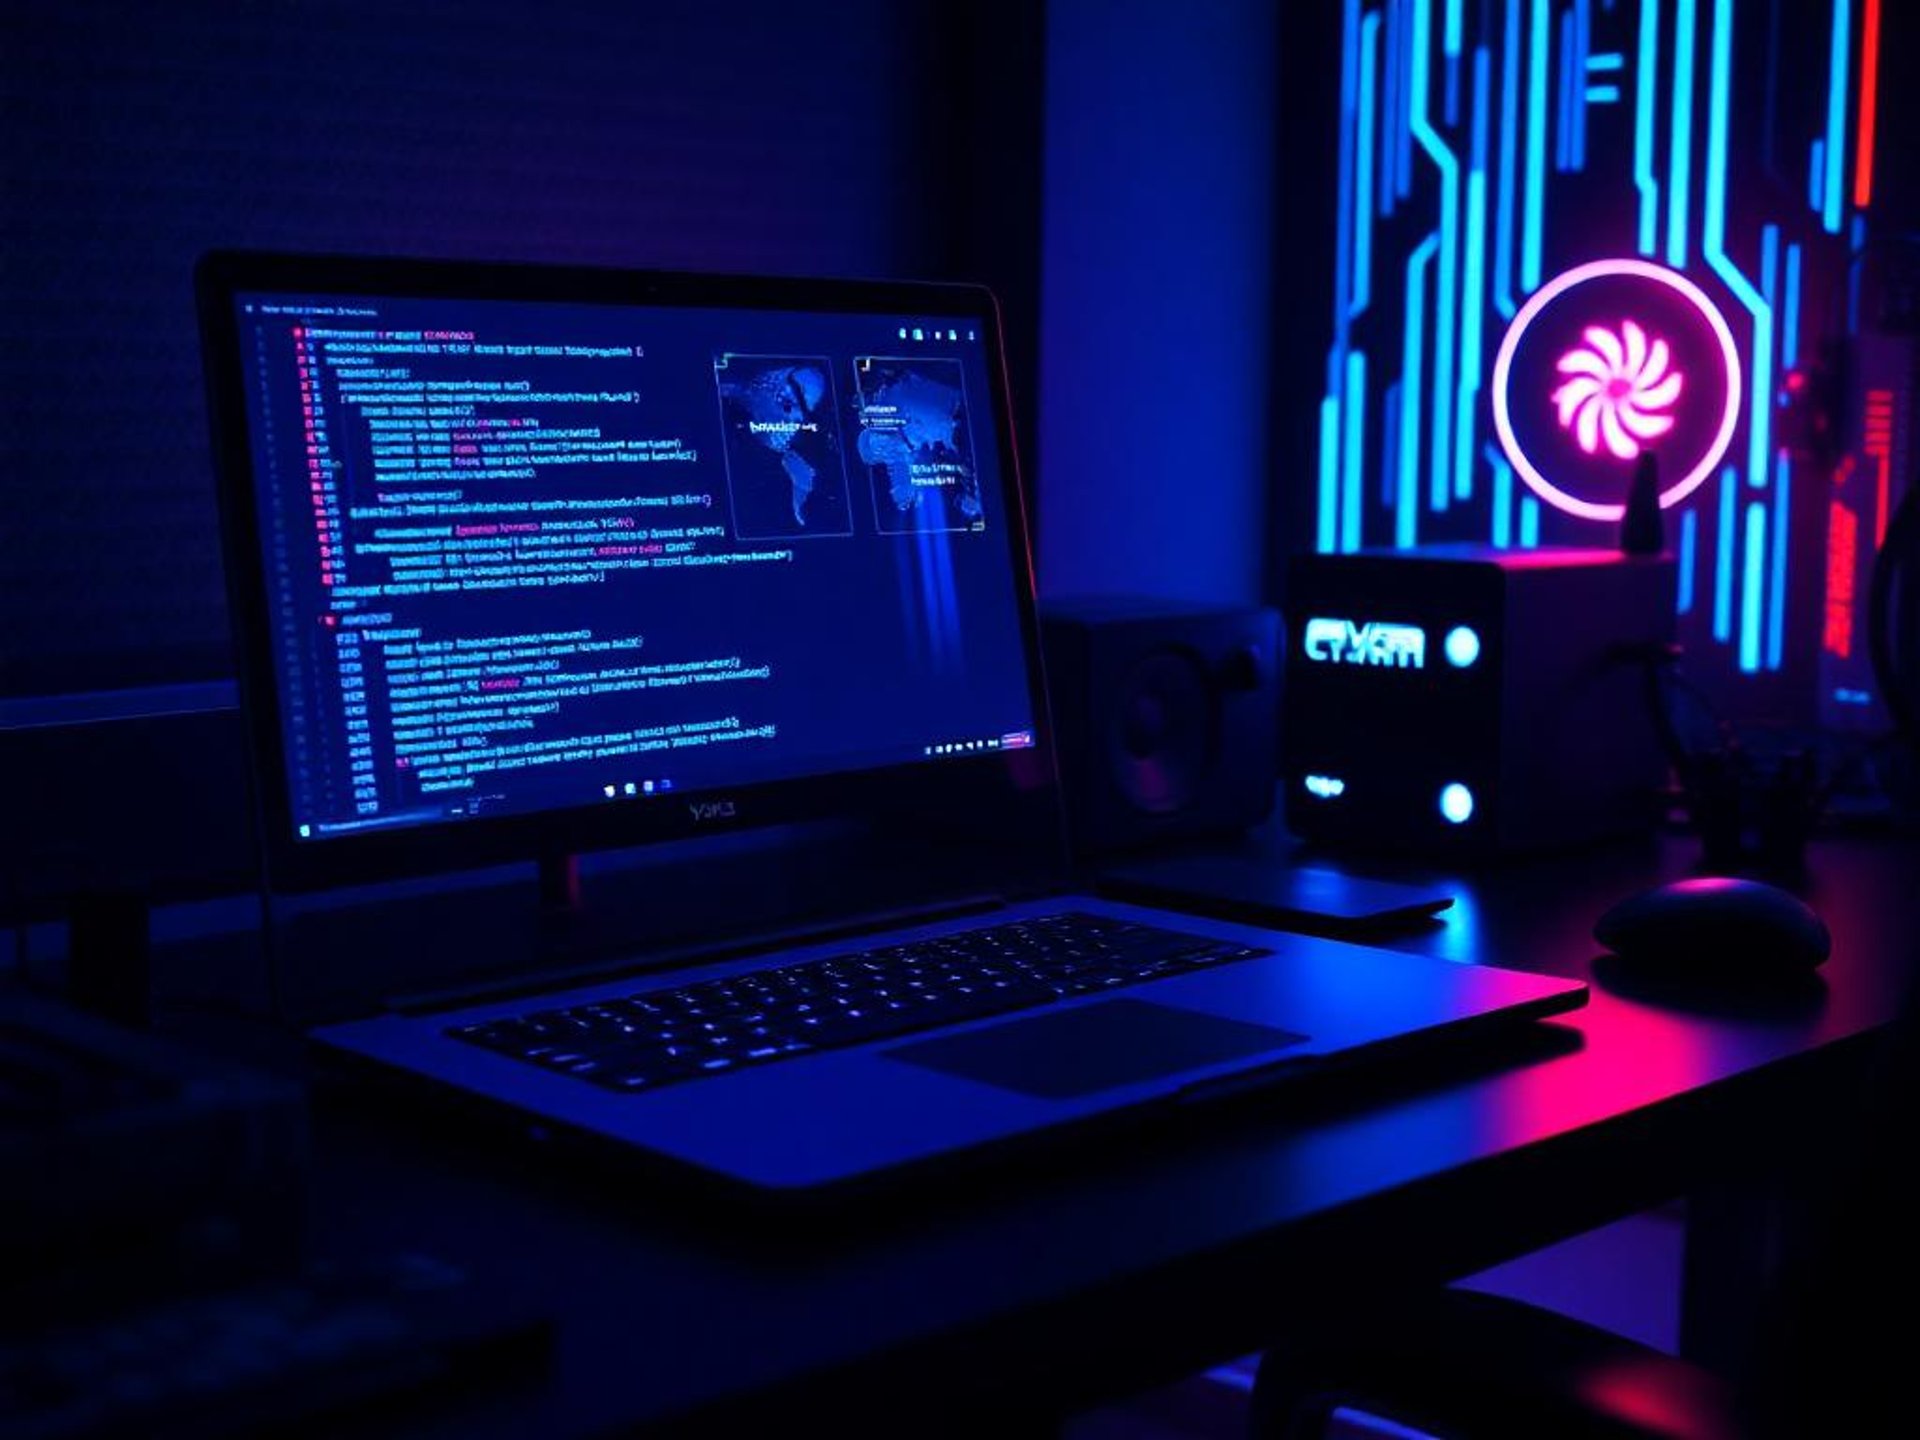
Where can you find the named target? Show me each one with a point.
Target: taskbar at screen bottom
(627, 787)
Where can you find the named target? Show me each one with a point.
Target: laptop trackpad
(1076, 1052)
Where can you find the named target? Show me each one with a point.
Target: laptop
(527, 561)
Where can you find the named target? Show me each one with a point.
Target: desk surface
(1100, 1271)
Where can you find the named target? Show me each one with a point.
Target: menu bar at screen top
(525, 556)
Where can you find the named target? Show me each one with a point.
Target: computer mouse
(1716, 926)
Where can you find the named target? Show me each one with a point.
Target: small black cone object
(1642, 532)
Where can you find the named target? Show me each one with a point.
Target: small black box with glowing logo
(1467, 700)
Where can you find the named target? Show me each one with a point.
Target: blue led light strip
(1836, 147)
(1685, 28)
(1502, 496)
(1402, 122)
(1603, 94)
(1406, 514)
(1752, 592)
(1473, 305)
(1451, 43)
(1530, 522)
(1563, 137)
(1723, 559)
(1582, 42)
(1646, 87)
(1363, 182)
(1689, 548)
(1447, 290)
(1324, 537)
(1343, 242)
(1817, 174)
(1390, 448)
(1503, 297)
(1606, 62)
(1353, 451)
(1530, 244)
(1713, 245)
(1790, 319)
(1390, 107)
(1343, 267)
(1777, 580)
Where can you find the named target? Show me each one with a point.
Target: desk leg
(1727, 1269)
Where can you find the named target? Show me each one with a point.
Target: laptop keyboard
(659, 1037)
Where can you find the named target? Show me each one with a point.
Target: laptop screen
(521, 556)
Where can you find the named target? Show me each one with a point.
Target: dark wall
(869, 137)
(1161, 225)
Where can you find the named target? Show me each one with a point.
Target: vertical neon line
(1563, 140)
(1790, 317)
(1404, 139)
(1389, 108)
(1680, 162)
(1473, 304)
(1406, 513)
(1502, 497)
(1689, 548)
(1536, 151)
(1645, 89)
(1816, 174)
(1837, 115)
(1343, 260)
(1343, 247)
(1352, 450)
(1529, 522)
(1509, 149)
(1713, 244)
(1447, 289)
(1451, 44)
(1723, 559)
(1869, 104)
(1750, 589)
(1363, 182)
(1582, 43)
(1777, 579)
(1329, 515)
(1763, 351)
(1390, 448)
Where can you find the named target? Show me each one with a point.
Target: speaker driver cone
(1164, 733)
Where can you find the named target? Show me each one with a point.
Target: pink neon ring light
(1546, 295)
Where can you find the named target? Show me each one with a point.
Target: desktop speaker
(1164, 716)
(1465, 700)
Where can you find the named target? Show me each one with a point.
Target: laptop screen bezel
(972, 785)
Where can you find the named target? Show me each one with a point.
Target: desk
(1065, 1283)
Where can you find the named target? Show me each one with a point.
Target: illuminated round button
(1456, 803)
(1463, 645)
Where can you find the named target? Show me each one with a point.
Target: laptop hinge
(686, 956)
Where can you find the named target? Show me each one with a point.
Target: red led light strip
(1869, 103)
(1877, 445)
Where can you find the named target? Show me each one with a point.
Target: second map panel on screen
(917, 442)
